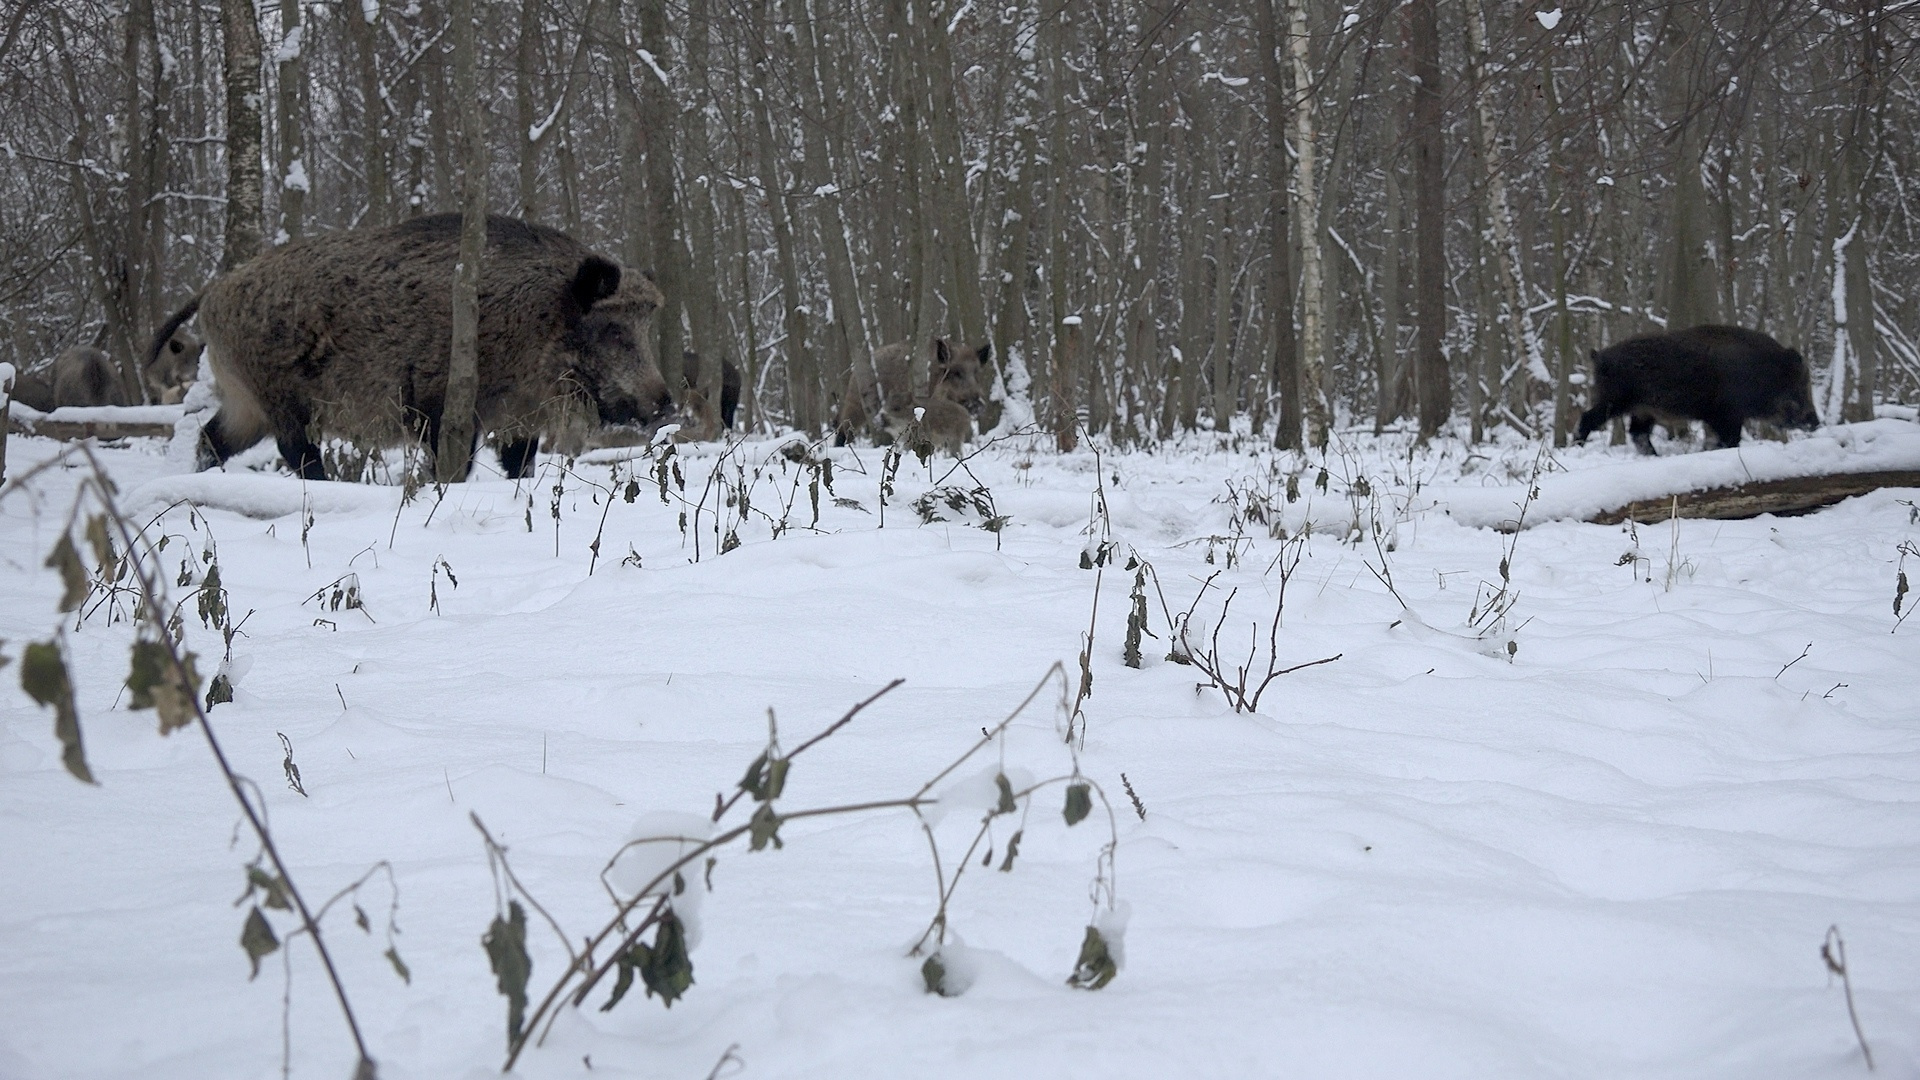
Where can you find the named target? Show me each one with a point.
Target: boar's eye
(615, 336)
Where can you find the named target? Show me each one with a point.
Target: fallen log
(89, 429)
(1796, 495)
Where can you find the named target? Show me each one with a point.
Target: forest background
(1163, 215)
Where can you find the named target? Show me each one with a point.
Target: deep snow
(1611, 854)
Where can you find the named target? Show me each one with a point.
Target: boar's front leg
(516, 456)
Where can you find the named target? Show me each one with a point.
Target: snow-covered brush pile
(1344, 786)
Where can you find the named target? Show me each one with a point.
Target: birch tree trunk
(242, 55)
(1313, 379)
(1521, 361)
(457, 421)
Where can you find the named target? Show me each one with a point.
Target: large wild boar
(1724, 375)
(348, 334)
(880, 395)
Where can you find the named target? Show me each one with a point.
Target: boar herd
(346, 335)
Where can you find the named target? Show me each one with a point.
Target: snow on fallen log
(1754, 478)
(259, 495)
(99, 422)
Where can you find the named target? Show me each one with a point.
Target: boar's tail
(165, 333)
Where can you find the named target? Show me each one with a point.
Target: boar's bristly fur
(348, 334)
(1724, 375)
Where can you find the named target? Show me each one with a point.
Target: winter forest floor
(1598, 831)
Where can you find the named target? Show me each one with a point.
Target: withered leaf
(102, 545)
(934, 974)
(1006, 804)
(258, 939)
(506, 945)
(43, 675)
(73, 575)
(155, 683)
(1079, 804)
(1013, 851)
(1095, 968)
(399, 966)
(763, 826)
(273, 885)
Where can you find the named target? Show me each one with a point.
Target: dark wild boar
(881, 395)
(84, 376)
(347, 334)
(1723, 375)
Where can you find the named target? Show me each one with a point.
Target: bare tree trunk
(1313, 377)
(1224, 384)
(290, 162)
(457, 420)
(242, 52)
(947, 153)
(1558, 209)
(1285, 374)
(1690, 295)
(802, 378)
(361, 26)
(1011, 323)
(658, 117)
(845, 330)
(526, 59)
(1391, 404)
(1858, 167)
(1429, 220)
(1062, 406)
(1066, 361)
(703, 275)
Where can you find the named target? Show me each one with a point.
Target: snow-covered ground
(1602, 835)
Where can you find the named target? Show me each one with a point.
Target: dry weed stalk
(164, 678)
(664, 964)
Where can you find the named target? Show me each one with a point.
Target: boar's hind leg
(1641, 429)
(516, 457)
(301, 455)
(1726, 429)
(219, 440)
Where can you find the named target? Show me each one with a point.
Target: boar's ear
(985, 353)
(942, 352)
(1595, 354)
(596, 280)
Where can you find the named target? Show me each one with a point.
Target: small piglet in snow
(1724, 375)
(348, 334)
